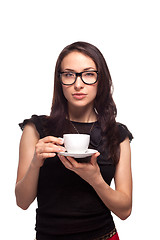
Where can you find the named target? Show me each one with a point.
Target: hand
(90, 172)
(47, 147)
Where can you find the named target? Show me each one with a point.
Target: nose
(79, 83)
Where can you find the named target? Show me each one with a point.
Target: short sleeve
(37, 121)
(124, 133)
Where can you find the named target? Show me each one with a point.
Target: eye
(89, 74)
(68, 74)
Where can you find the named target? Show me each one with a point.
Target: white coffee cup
(76, 143)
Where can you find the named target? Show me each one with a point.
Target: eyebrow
(89, 68)
(85, 69)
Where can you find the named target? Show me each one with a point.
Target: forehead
(77, 61)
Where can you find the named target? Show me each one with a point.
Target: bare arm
(32, 155)
(119, 200)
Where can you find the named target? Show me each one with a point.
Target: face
(79, 94)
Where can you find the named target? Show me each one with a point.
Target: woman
(74, 196)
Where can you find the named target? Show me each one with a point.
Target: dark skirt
(113, 235)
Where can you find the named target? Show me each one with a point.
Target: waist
(111, 235)
(94, 234)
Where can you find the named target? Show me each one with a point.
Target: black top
(68, 207)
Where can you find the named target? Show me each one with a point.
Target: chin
(80, 104)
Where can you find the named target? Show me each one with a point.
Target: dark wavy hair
(103, 103)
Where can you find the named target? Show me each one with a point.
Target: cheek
(66, 91)
(93, 91)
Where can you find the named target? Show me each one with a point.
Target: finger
(47, 155)
(49, 147)
(65, 162)
(54, 149)
(94, 158)
(52, 139)
(76, 165)
(73, 161)
(58, 148)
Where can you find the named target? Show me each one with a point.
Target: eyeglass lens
(88, 77)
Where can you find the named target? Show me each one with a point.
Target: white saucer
(88, 153)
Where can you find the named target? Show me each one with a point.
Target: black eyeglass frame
(78, 75)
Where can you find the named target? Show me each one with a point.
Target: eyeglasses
(87, 77)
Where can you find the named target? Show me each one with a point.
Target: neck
(82, 114)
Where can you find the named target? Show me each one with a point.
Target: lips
(79, 95)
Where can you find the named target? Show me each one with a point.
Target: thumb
(94, 158)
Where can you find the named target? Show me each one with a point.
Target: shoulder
(30, 136)
(38, 121)
(124, 132)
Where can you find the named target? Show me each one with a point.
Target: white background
(127, 32)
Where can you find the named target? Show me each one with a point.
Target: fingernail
(61, 140)
(62, 149)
